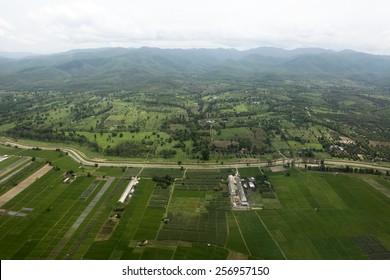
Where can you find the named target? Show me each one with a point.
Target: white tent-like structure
(129, 189)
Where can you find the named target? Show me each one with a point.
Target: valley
(130, 154)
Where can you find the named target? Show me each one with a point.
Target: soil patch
(277, 168)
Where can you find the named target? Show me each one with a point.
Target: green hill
(119, 68)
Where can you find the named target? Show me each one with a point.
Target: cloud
(5, 28)
(203, 23)
(82, 23)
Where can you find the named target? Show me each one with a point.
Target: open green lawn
(280, 145)
(234, 133)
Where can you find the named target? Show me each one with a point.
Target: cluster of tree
(48, 135)
(345, 169)
(182, 135)
(164, 181)
(201, 148)
(167, 153)
(126, 149)
(80, 111)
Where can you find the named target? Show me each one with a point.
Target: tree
(205, 154)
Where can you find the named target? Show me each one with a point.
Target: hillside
(119, 68)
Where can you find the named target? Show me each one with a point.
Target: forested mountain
(118, 68)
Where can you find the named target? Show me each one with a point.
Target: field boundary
(378, 186)
(14, 172)
(270, 234)
(242, 236)
(23, 185)
(68, 235)
(10, 168)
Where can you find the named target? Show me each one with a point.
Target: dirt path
(378, 186)
(23, 185)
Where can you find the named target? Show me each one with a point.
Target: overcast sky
(43, 26)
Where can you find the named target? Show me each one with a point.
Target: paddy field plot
(322, 214)
(315, 216)
(23, 185)
(7, 160)
(17, 175)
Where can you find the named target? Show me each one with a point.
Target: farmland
(313, 215)
(221, 124)
(308, 146)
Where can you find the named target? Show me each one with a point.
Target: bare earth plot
(277, 168)
(23, 185)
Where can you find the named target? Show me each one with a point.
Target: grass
(322, 155)
(349, 209)
(55, 207)
(383, 182)
(8, 161)
(234, 133)
(132, 216)
(24, 172)
(257, 238)
(197, 215)
(280, 145)
(235, 240)
(173, 172)
(109, 171)
(249, 172)
(315, 146)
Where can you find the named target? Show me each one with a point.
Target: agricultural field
(307, 215)
(217, 123)
(168, 154)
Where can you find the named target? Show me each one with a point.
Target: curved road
(85, 160)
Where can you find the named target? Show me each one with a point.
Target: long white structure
(129, 189)
(232, 187)
(3, 158)
(244, 201)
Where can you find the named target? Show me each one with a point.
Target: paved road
(85, 160)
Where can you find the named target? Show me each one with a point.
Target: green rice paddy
(313, 216)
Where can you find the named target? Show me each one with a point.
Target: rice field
(315, 216)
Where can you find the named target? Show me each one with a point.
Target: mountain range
(121, 68)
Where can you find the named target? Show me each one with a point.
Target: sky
(50, 26)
